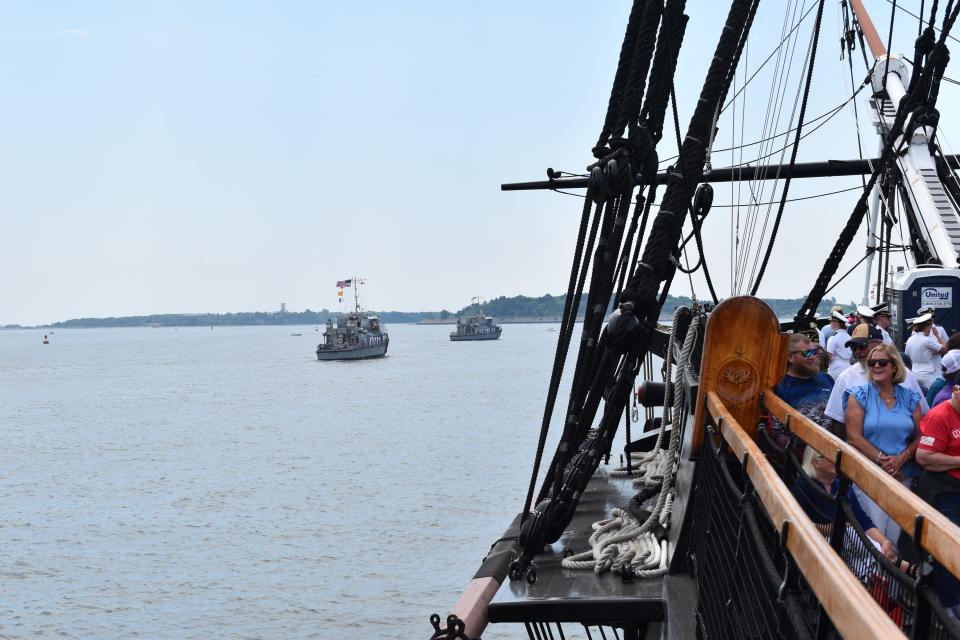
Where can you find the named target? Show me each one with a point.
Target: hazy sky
(185, 156)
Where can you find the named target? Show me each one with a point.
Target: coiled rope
(621, 543)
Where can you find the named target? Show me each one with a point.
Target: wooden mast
(876, 45)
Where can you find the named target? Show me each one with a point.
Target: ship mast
(356, 293)
(938, 217)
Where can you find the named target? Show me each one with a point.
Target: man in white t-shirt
(856, 375)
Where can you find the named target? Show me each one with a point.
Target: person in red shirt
(939, 454)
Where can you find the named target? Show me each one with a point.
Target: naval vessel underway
(357, 335)
(476, 327)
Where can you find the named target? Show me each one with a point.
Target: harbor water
(198, 483)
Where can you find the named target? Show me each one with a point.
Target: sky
(223, 156)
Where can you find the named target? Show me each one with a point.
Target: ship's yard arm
(919, 101)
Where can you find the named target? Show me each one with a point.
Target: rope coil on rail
(621, 543)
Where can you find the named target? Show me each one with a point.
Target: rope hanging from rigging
(608, 360)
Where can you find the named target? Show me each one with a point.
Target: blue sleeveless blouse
(890, 430)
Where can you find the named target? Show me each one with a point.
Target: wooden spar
(852, 610)
(938, 536)
(876, 45)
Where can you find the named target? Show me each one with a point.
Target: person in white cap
(925, 348)
(950, 368)
(866, 314)
(827, 331)
(837, 348)
(882, 318)
(937, 329)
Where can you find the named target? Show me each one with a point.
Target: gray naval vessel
(357, 335)
(477, 327)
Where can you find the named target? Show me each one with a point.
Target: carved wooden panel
(743, 354)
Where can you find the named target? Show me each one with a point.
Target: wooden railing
(938, 536)
(852, 610)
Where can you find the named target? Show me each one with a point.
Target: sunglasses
(808, 353)
(879, 362)
(858, 347)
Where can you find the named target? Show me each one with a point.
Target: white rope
(621, 542)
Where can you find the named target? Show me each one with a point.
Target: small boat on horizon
(476, 327)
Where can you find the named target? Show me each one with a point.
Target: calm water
(190, 483)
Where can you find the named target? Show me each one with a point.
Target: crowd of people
(899, 409)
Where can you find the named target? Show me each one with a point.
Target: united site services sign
(936, 297)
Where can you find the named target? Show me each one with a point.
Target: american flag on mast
(343, 283)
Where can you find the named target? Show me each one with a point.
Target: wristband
(879, 455)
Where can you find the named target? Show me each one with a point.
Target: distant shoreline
(515, 310)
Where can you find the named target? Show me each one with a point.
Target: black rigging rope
(570, 307)
(913, 15)
(606, 365)
(796, 147)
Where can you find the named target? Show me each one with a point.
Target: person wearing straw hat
(838, 352)
(925, 348)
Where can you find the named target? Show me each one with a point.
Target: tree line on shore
(545, 307)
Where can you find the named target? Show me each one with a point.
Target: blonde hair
(808, 456)
(900, 369)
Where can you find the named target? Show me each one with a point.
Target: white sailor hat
(922, 318)
(864, 311)
(925, 309)
(836, 315)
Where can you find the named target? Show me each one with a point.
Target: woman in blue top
(882, 419)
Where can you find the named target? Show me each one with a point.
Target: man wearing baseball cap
(950, 367)
(865, 338)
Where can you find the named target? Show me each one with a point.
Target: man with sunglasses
(805, 387)
(865, 338)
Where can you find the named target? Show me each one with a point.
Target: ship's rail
(931, 529)
(851, 610)
(908, 599)
(826, 588)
